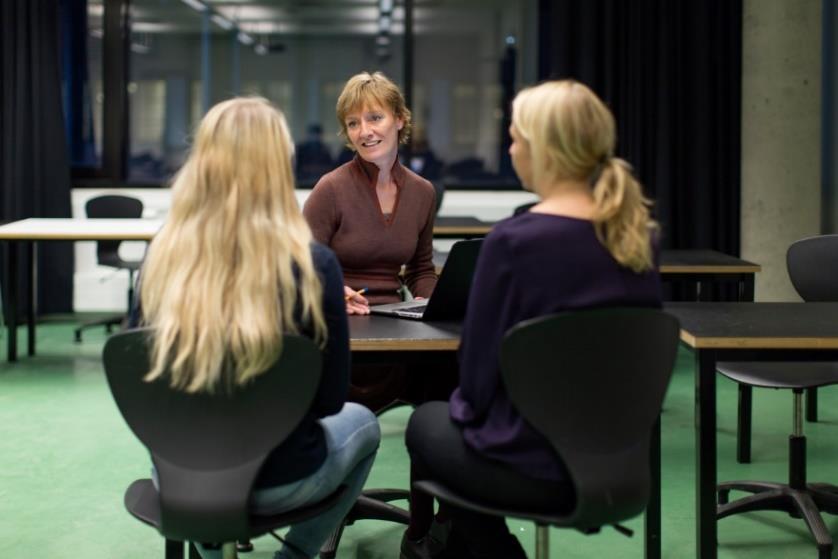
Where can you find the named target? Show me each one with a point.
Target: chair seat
(788, 375)
(443, 493)
(141, 500)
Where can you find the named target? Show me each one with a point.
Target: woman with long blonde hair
(233, 269)
(589, 242)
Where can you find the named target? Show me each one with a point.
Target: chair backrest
(813, 267)
(208, 447)
(112, 206)
(523, 208)
(439, 190)
(593, 382)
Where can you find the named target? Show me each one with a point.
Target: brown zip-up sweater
(344, 214)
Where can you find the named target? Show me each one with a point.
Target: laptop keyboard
(420, 309)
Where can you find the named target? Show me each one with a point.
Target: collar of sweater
(370, 171)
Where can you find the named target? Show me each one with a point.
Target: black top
(531, 265)
(304, 451)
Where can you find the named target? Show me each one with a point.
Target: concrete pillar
(781, 149)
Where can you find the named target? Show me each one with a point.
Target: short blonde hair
(364, 90)
(572, 135)
(232, 264)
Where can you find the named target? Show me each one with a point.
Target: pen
(359, 292)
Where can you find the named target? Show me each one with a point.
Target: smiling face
(374, 133)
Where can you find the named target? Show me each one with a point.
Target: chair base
(108, 322)
(372, 504)
(805, 503)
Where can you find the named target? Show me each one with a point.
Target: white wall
(781, 115)
(99, 288)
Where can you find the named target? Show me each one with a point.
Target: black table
(705, 267)
(700, 267)
(460, 227)
(742, 332)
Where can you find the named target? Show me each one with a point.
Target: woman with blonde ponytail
(233, 269)
(589, 242)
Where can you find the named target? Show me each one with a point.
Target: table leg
(705, 456)
(11, 302)
(30, 290)
(746, 290)
(652, 520)
(743, 424)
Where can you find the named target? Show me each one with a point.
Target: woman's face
(374, 132)
(519, 151)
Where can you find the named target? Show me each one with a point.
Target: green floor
(66, 457)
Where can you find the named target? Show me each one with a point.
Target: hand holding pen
(356, 303)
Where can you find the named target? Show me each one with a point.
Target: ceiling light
(244, 38)
(195, 5)
(222, 22)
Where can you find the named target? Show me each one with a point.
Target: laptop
(448, 301)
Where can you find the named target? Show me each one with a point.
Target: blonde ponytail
(622, 219)
(571, 135)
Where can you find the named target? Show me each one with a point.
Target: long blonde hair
(571, 135)
(221, 279)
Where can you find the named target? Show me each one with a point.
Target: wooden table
(742, 332)
(28, 232)
(460, 227)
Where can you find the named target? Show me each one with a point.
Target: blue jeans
(352, 438)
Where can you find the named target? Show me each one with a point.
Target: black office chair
(107, 252)
(813, 268)
(208, 448)
(523, 208)
(439, 190)
(592, 382)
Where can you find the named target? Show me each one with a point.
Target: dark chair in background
(592, 382)
(208, 448)
(439, 190)
(107, 252)
(813, 268)
(815, 263)
(523, 208)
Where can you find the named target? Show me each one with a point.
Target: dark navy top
(304, 451)
(531, 265)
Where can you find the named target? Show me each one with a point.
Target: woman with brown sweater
(374, 213)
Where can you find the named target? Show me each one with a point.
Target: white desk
(32, 230)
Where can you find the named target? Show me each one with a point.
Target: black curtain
(671, 72)
(34, 169)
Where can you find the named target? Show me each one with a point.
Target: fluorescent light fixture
(195, 5)
(385, 6)
(384, 22)
(382, 40)
(222, 22)
(244, 38)
(139, 48)
(260, 49)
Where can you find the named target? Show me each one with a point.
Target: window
(469, 56)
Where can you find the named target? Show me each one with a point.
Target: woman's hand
(356, 303)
